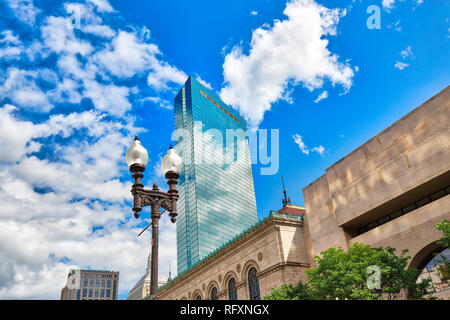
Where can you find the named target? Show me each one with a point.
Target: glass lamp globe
(171, 162)
(136, 154)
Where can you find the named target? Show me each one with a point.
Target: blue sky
(72, 96)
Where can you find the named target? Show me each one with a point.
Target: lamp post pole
(171, 165)
(155, 247)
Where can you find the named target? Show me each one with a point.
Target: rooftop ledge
(273, 215)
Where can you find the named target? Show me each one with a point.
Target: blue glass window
(216, 192)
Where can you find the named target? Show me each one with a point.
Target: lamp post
(171, 165)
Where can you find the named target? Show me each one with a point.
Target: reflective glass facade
(217, 197)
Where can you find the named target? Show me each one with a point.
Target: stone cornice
(273, 219)
(278, 266)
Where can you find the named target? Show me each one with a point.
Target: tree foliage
(289, 292)
(350, 274)
(444, 227)
(444, 268)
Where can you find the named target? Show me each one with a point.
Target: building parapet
(273, 216)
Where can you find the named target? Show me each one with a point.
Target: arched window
(214, 294)
(253, 284)
(232, 293)
(198, 297)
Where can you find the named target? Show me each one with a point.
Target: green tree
(350, 274)
(289, 292)
(444, 268)
(444, 227)
(354, 274)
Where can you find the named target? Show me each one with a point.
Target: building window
(109, 284)
(91, 283)
(253, 285)
(97, 283)
(84, 293)
(214, 294)
(103, 283)
(85, 282)
(232, 292)
(198, 297)
(96, 293)
(108, 293)
(102, 293)
(90, 293)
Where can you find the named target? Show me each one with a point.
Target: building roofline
(379, 133)
(273, 215)
(105, 271)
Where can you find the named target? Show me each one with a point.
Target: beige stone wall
(320, 219)
(138, 293)
(412, 231)
(397, 161)
(403, 156)
(275, 248)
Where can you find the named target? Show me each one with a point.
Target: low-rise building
(142, 288)
(91, 285)
(265, 256)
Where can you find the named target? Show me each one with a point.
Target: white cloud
(162, 103)
(61, 174)
(304, 148)
(87, 21)
(110, 98)
(401, 65)
(254, 13)
(299, 141)
(59, 38)
(406, 52)
(24, 10)
(102, 5)
(83, 192)
(320, 150)
(203, 82)
(15, 135)
(99, 30)
(20, 86)
(388, 5)
(291, 52)
(163, 74)
(127, 55)
(321, 96)
(8, 37)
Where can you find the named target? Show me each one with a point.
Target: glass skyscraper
(217, 197)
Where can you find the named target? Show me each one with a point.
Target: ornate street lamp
(171, 165)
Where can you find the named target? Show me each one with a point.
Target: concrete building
(142, 288)
(390, 191)
(91, 285)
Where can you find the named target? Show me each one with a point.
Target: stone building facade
(390, 191)
(274, 248)
(91, 285)
(142, 288)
